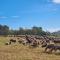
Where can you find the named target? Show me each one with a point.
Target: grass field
(21, 52)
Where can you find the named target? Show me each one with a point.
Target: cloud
(53, 29)
(3, 17)
(15, 16)
(56, 1)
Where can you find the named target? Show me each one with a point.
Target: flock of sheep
(36, 41)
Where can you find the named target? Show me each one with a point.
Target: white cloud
(3, 17)
(53, 29)
(56, 1)
(15, 16)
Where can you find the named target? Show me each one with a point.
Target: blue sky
(29, 13)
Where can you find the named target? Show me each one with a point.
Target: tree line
(5, 30)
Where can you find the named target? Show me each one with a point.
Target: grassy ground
(20, 52)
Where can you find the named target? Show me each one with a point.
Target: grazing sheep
(18, 38)
(20, 41)
(7, 43)
(25, 42)
(29, 39)
(51, 47)
(56, 41)
(12, 40)
(34, 43)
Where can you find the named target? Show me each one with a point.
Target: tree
(37, 30)
(4, 30)
(21, 31)
(28, 31)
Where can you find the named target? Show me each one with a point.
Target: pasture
(18, 51)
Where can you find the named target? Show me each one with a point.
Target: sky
(29, 13)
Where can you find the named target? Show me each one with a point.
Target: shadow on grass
(47, 52)
(57, 53)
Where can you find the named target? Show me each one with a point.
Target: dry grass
(20, 52)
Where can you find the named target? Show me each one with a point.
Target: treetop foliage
(4, 30)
